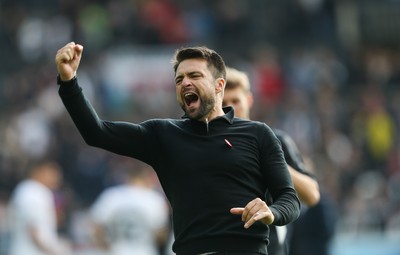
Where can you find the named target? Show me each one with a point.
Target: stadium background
(326, 71)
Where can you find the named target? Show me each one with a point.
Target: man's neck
(214, 113)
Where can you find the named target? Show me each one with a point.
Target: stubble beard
(206, 106)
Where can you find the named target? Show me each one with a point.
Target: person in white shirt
(131, 218)
(33, 212)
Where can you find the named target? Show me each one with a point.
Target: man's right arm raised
(128, 139)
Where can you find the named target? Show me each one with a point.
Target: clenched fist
(68, 59)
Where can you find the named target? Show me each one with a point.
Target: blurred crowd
(338, 96)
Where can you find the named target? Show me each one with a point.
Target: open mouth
(190, 98)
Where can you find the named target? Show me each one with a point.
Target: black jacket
(204, 169)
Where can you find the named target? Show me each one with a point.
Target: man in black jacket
(214, 168)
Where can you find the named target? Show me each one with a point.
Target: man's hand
(255, 210)
(68, 59)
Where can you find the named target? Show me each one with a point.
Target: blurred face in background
(241, 100)
(49, 174)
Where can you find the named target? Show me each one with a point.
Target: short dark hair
(213, 59)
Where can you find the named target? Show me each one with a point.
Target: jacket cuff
(68, 88)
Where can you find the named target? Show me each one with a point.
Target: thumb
(78, 49)
(237, 210)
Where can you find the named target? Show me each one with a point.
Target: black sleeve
(286, 204)
(291, 152)
(128, 139)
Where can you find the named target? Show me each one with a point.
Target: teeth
(188, 94)
(190, 97)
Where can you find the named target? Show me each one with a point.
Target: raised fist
(67, 60)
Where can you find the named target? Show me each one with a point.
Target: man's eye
(195, 76)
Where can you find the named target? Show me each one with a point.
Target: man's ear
(220, 86)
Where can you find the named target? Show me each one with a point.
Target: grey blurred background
(325, 71)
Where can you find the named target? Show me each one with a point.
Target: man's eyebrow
(187, 73)
(194, 72)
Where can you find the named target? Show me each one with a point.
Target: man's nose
(186, 82)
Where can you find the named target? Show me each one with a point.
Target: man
(34, 223)
(214, 168)
(131, 218)
(237, 94)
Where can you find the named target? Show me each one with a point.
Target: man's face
(195, 88)
(240, 100)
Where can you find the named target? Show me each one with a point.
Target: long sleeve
(286, 204)
(128, 139)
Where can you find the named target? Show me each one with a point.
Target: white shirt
(32, 205)
(131, 216)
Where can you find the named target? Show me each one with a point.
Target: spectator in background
(131, 218)
(238, 94)
(315, 228)
(33, 212)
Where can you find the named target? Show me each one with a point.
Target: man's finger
(64, 55)
(255, 217)
(250, 209)
(237, 210)
(78, 49)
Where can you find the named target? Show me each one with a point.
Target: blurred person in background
(314, 230)
(238, 94)
(211, 165)
(132, 217)
(34, 229)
